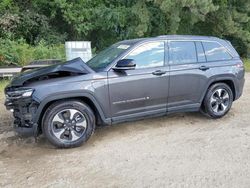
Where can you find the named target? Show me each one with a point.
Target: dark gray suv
(130, 80)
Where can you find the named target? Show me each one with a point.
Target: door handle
(159, 72)
(203, 68)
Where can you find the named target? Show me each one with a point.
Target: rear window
(182, 52)
(215, 52)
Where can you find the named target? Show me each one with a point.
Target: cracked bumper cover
(24, 110)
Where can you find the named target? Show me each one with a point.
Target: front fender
(66, 95)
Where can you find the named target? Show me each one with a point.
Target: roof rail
(161, 36)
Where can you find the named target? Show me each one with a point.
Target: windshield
(105, 57)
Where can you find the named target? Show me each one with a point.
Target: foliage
(247, 64)
(104, 22)
(20, 53)
(3, 84)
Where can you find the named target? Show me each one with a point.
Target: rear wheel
(68, 123)
(218, 100)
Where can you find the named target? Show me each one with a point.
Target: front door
(142, 91)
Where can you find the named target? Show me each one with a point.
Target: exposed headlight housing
(28, 93)
(19, 93)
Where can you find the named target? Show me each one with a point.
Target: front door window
(148, 55)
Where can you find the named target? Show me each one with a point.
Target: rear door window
(215, 52)
(182, 52)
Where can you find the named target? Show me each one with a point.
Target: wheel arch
(84, 97)
(227, 80)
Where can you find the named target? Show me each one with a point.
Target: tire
(68, 124)
(218, 100)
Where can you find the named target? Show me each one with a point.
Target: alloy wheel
(219, 100)
(69, 125)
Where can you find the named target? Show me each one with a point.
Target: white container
(80, 49)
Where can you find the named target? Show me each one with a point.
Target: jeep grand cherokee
(130, 80)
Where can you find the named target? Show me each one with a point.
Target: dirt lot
(181, 150)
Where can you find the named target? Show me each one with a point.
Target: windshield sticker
(123, 46)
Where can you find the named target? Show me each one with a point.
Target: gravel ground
(181, 150)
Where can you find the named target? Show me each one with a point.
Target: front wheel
(68, 123)
(218, 100)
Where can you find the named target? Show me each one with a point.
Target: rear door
(187, 74)
(142, 91)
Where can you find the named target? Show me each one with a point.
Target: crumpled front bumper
(24, 110)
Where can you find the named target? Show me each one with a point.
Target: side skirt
(185, 108)
(155, 113)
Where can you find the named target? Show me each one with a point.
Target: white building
(80, 49)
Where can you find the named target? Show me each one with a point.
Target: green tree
(104, 22)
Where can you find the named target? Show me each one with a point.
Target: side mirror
(125, 64)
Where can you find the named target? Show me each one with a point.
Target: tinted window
(182, 52)
(148, 55)
(215, 52)
(200, 52)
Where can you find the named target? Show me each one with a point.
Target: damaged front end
(68, 68)
(20, 102)
(21, 93)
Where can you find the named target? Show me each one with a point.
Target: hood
(69, 68)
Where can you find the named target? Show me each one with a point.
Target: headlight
(19, 93)
(28, 93)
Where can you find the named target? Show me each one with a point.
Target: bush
(20, 53)
(247, 64)
(3, 84)
(43, 51)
